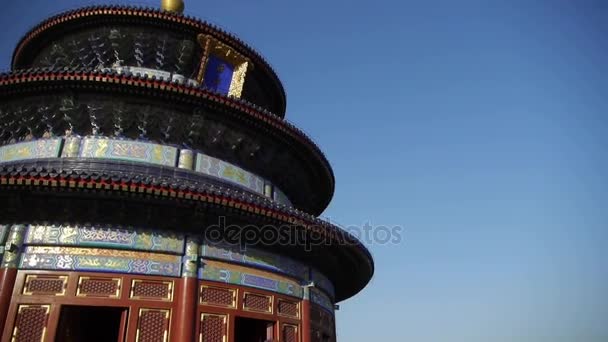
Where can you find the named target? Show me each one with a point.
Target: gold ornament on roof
(176, 6)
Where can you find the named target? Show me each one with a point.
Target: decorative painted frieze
(130, 150)
(226, 171)
(43, 148)
(239, 275)
(256, 258)
(267, 261)
(102, 260)
(65, 235)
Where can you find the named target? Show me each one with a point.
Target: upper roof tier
(153, 42)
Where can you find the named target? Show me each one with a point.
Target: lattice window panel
(218, 296)
(152, 325)
(213, 328)
(290, 333)
(287, 308)
(256, 302)
(37, 285)
(152, 290)
(98, 287)
(30, 325)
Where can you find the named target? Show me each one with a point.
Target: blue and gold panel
(256, 258)
(220, 169)
(137, 151)
(222, 68)
(64, 235)
(218, 75)
(43, 148)
(321, 299)
(239, 275)
(99, 260)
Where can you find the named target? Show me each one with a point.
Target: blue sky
(478, 126)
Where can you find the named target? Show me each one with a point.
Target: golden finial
(176, 6)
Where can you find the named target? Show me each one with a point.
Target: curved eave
(343, 258)
(39, 79)
(33, 39)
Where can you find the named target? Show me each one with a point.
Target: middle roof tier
(46, 103)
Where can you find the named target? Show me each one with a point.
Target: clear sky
(480, 127)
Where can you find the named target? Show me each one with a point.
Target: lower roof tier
(43, 104)
(118, 193)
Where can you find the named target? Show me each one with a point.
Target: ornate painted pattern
(186, 159)
(256, 258)
(43, 148)
(220, 169)
(190, 259)
(94, 259)
(233, 274)
(321, 299)
(14, 241)
(104, 237)
(71, 147)
(130, 150)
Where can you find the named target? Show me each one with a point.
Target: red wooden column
(8, 268)
(184, 320)
(306, 333)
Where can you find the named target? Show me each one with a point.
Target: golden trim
(238, 80)
(14, 335)
(270, 302)
(35, 276)
(226, 324)
(167, 316)
(116, 295)
(176, 6)
(204, 42)
(212, 46)
(165, 299)
(279, 300)
(234, 292)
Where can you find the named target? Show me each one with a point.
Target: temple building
(152, 190)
